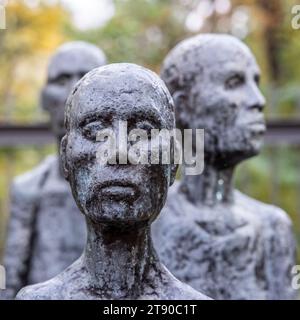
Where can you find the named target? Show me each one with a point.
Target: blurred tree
(31, 33)
(141, 31)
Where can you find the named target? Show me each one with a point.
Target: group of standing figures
(131, 237)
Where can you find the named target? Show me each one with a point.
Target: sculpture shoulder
(27, 184)
(49, 290)
(185, 292)
(182, 291)
(270, 214)
(68, 285)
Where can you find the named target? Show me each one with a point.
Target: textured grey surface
(212, 237)
(119, 202)
(46, 231)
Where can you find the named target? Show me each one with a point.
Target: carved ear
(180, 101)
(63, 148)
(179, 97)
(174, 168)
(177, 158)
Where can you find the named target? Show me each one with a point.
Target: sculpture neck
(212, 187)
(118, 259)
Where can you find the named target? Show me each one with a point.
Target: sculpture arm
(280, 257)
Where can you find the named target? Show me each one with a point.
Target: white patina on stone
(212, 237)
(46, 231)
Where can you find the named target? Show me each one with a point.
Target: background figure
(211, 236)
(119, 201)
(44, 234)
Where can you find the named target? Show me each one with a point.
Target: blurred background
(143, 31)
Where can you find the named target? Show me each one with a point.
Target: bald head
(75, 57)
(123, 89)
(199, 54)
(67, 66)
(214, 79)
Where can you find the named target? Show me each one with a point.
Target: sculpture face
(69, 64)
(116, 193)
(222, 96)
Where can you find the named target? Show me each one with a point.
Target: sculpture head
(119, 193)
(214, 82)
(67, 66)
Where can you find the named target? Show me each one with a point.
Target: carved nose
(257, 106)
(258, 101)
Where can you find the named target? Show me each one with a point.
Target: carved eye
(91, 129)
(62, 79)
(146, 126)
(234, 81)
(257, 79)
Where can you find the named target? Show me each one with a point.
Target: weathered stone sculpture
(46, 231)
(209, 235)
(119, 201)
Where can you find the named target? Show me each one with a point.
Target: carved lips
(119, 191)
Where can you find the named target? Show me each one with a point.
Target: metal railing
(279, 132)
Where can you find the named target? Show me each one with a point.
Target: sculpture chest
(220, 254)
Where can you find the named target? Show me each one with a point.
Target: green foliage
(31, 35)
(141, 32)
